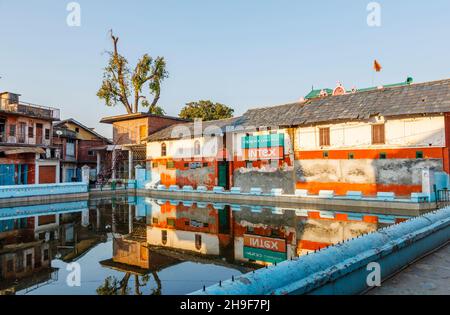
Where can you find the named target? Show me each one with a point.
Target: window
(143, 132)
(205, 164)
(325, 154)
(47, 134)
(155, 220)
(197, 147)
(164, 237)
(91, 153)
(77, 129)
(30, 132)
(10, 266)
(46, 255)
(383, 156)
(163, 149)
(351, 156)
(22, 132)
(419, 155)
(378, 134)
(19, 262)
(12, 130)
(171, 222)
(29, 260)
(324, 137)
(170, 164)
(198, 241)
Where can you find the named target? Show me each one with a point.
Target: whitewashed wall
(408, 132)
(184, 240)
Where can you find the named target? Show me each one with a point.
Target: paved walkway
(428, 276)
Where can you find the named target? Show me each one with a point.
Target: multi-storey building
(78, 145)
(26, 152)
(130, 134)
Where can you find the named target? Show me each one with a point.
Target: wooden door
(47, 174)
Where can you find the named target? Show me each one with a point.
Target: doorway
(224, 179)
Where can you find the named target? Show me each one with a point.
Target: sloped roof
(423, 98)
(411, 99)
(172, 132)
(75, 122)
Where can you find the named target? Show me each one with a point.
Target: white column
(85, 218)
(36, 169)
(130, 219)
(130, 164)
(98, 163)
(58, 172)
(113, 163)
(85, 174)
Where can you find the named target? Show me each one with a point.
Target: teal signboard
(264, 255)
(263, 141)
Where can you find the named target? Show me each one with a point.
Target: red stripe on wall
(366, 189)
(408, 153)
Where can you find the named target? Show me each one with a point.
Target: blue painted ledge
(21, 191)
(342, 269)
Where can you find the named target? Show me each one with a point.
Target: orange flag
(377, 66)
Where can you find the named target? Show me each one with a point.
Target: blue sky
(244, 53)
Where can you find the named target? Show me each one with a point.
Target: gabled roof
(75, 122)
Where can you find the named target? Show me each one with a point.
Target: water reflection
(137, 245)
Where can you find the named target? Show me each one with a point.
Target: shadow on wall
(246, 179)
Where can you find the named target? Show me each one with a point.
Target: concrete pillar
(98, 219)
(36, 168)
(85, 218)
(58, 172)
(428, 183)
(130, 218)
(113, 163)
(98, 162)
(85, 174)
(130, 164)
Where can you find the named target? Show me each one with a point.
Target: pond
(141, 245)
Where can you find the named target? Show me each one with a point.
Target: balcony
(28, 109)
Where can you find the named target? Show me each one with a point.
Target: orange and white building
(372, 140)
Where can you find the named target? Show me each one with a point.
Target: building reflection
(149, 236)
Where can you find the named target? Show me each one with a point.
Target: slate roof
(423, 98)
(171, 132)
(407, 100)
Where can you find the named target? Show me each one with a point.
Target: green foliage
(206, 110)
(120, 83)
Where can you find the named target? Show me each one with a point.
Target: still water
(140, 245)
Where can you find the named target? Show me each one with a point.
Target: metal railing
(26, 108)
(20, 138)
(443, 197)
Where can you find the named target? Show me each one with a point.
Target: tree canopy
(122, 86)
(206, 110)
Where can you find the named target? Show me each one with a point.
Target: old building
(129, 142)
(77, 144)
(191, 154)
(369, 140)
(26, 152)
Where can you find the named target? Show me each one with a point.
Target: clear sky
(244, 53)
